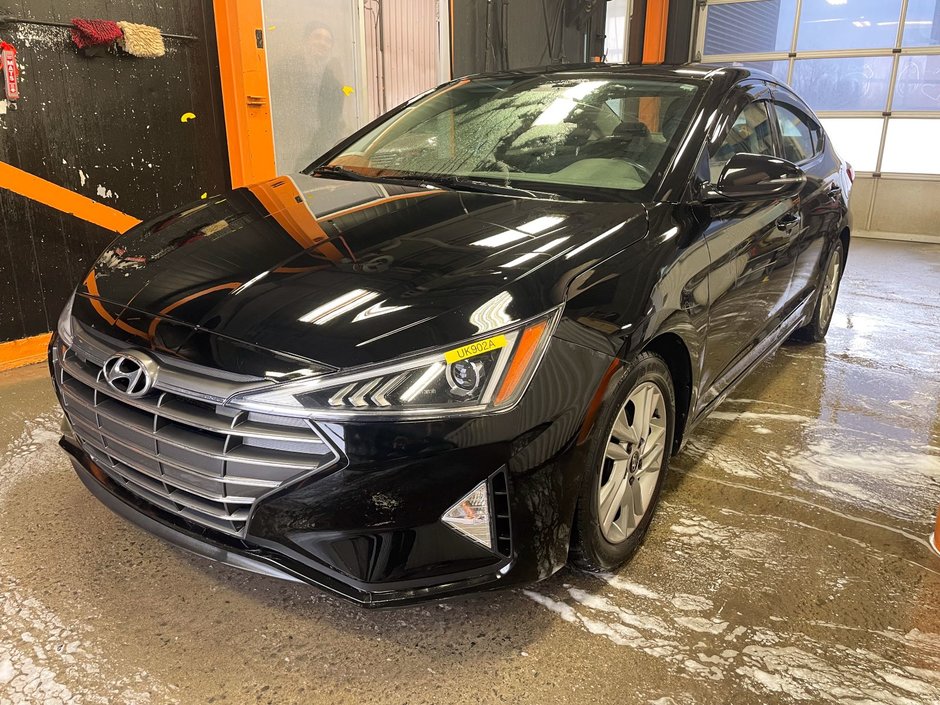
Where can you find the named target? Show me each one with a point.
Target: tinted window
(750, 133)
(799, 137)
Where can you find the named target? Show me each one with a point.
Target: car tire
(603, 535)
(815, 331)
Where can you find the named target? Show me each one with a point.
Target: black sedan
(458, 351)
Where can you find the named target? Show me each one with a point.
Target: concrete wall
(898, 208)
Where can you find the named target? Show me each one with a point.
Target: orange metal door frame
(246, 98)
(654, 36)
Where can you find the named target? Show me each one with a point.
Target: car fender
(637, 299)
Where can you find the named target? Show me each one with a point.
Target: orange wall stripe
(54, 196)
(23, 352)
(246, 99)
(654, 35)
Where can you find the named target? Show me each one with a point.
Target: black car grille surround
(194, 458)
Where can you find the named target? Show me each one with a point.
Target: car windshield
(563, 134)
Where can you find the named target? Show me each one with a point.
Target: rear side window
(800, 136)
(750, 132)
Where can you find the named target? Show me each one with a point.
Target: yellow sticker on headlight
(474, 349)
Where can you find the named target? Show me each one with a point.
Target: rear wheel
(629, 456)
(815, 331)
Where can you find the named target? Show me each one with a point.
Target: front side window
(749, 133)
(798, 140)
(549, 133)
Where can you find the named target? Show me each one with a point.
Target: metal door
(406, 50)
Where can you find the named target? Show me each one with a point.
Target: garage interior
(790, 560)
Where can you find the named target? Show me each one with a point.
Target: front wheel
(628, 457)
(815, 331)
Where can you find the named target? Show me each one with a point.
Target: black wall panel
(679, 31)
(499, 34)
(108, 128)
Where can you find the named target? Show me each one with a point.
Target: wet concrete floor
(788, 562)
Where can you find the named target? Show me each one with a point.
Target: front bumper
(369, 528)
(287, 559)
(256, 559)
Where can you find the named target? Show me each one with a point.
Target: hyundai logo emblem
(130, 373)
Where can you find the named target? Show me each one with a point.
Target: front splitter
(97, 482)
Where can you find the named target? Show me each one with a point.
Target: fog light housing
(470, 516)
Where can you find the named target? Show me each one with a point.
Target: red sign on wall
(10, 71)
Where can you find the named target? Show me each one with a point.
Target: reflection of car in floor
(458, 350)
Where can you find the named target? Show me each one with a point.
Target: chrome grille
(199, 459)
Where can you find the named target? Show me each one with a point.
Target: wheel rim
(827, 301)
(632, 463)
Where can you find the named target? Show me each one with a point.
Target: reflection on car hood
(345, 273)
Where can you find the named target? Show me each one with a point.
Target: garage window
(869, 69)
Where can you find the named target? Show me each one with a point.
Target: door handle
(785, 222)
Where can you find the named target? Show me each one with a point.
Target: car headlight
(482, 375)
(64, 326)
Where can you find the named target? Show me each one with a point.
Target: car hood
(342, 273)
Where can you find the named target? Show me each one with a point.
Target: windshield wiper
(341, 171)
(462, 183)
(452, 183)
(344, 173)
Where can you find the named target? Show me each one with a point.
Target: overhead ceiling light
(533, 227)
(339, 306)
(594, 240)
(838, 2)
(561, 107)
(519, 260)
(551, 245)
(492, 314)
(377, 310)
(504, 238)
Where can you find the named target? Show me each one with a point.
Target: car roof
(721, 77)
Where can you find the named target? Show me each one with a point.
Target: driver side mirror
(756, 177)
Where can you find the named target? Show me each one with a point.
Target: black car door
(802, 141)
(749, 243)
